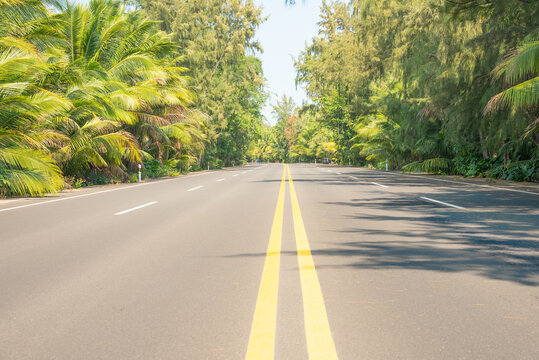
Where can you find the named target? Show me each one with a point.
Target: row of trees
(218, 46)
(431, 85)
(89, 92)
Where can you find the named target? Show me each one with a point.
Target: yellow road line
(262, 338)
(320, 343)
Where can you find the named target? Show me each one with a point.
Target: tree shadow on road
(496, 237)
(395, 231)
(500, 245)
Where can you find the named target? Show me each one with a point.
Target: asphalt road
(340, 262)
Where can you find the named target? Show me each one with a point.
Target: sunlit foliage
(443, 86)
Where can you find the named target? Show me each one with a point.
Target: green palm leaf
(522, 66)
(520, 96)
(435, 165)
(521, 63)
(132, 64)
(28, 172)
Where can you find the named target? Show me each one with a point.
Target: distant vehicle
(326, 161)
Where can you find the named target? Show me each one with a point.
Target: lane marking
(222, 179)
(458, 182)
(196, 187)
(375, 183)
(136, 208)
(102, 192)
(262, 338)
(79, 196)
(235, 175)
(353, 177)
(481, 185)
(338, 173)
(441, 202)
(320, 343)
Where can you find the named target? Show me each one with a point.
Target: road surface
(244, 263)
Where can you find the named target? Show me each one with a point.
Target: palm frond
(435, 165)
(520, 96)
(13, 89)
(19, 182)
(122, 143)
(132, 64)
(28, 172)
(521, 63)
(50, 138)
(532, 128)
(13, 138)
(98, 127)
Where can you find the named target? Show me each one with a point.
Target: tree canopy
(441, 86)
(88, 92)
(217, 44)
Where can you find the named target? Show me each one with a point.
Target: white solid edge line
(222, 179)
(196, 187)
(441, 202)
(455, 182)
(375, 183)
(459, 182)
(83, 195)
(136, 208)
(101, 192)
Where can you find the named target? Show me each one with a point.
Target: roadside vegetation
(88, 92)
(438, 86)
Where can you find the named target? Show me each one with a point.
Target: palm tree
(26, 165)
(521, 72)
(125, 87)
(82, 89)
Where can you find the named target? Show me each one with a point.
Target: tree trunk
(485, 152)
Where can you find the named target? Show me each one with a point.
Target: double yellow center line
(317, 331)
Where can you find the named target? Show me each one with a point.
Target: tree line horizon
(89, 91)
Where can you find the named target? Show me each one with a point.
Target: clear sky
(283, 36)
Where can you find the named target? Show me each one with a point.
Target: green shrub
(97, 178)
(527, 170)
(153, 169)
(79, 183)
(472, 166)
